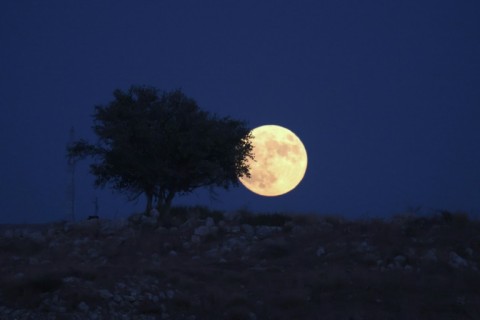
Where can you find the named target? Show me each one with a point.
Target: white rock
(469, 251)
(82, 306)
(456, 261)
(189, 223)
(19, 276)
(298, 230)
(320, 251)
(210, 222)
(430, 255)
(364, 247)
(248, 229)
(105, 294)
(8, 234)
(212, 252)
(196, 239)
(35, 236)
(154, 213)
(264, 231)
(201, 231)
(69, 279)
(400, 260)
(234, 229)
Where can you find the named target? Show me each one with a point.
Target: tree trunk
(149, 207)
(163, 207)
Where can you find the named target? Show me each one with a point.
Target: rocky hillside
(208, 265)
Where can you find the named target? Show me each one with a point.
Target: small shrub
(204, 213)
(180, 213)
(274, 251)
(183, 213)
(455, 218)
(305, 219)
(27, 291)
(274, 220)
(334, 220)
(149, 307)
(45, 283)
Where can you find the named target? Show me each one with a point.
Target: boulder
(456, 261)
(320, 251)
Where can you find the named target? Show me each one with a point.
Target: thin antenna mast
(71, 182)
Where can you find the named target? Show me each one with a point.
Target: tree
(163, 145)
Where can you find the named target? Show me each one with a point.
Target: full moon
(280, 161)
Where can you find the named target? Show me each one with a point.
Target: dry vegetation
(243, 266)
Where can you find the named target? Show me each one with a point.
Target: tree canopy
(162, 144)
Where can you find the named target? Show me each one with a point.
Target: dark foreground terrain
(243, 266)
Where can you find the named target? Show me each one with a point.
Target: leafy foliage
(162, 144)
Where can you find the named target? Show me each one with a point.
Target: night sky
(385, 96)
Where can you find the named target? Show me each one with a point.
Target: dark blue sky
(384, 94)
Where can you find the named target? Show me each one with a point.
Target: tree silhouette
(163, 145)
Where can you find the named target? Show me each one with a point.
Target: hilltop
(213, 265)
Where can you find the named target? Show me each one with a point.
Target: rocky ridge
(208, 265)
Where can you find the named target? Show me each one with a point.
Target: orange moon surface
(280, 161)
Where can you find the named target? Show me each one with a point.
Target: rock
(189, 223)
(35, 236)
(248, 229)
(8, 234)
(456, 261)
(195, 239)
(161, 229)
(201, 231)
(204, 231)
(69, 280)
(117, 298)
(263, 232)
(154, 213)
(363, 247)
(170, 294)
(430, 255)
(82, 306)
(105, 294)
(93, 253)
(209, 222)
(469, 251)
(172, 253)
(400, 260)
(143, 219)
(234, 229)
(110, 227)
(212, 252)
(19, 276)
(298, 230)
(320, 251)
